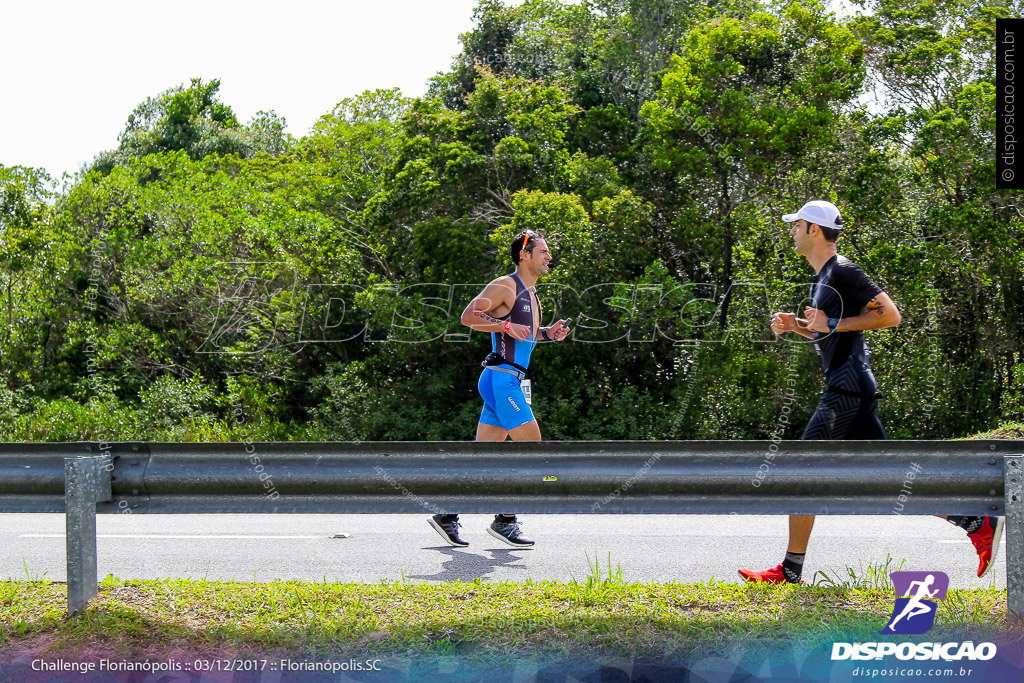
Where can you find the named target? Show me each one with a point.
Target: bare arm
(788, 322)
(878, 313)
(801, 328)
(496, 299)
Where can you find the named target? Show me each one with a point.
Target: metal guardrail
(633, 477)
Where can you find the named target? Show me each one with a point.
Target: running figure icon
(916, 606)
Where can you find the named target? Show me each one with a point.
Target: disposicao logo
(914, 614)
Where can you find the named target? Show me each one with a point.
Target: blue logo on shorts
(915, 614)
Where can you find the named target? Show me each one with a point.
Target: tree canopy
(209, 279)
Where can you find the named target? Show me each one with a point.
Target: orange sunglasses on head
(526, 238)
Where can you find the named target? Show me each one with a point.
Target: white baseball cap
(818, 211)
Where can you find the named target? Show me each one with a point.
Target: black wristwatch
(544, 333)
(833, 323)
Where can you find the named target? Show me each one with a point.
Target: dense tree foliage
(210, 279)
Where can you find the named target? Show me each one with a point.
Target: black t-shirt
(841, 289)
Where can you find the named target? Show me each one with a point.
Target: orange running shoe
(773, 575)
(986, 542)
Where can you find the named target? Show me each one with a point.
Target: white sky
(73, 70)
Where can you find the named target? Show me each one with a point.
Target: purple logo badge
(915, 613)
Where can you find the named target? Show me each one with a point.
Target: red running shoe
(773, 575)
(986, 542)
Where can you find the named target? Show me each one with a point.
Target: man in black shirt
(844, 303)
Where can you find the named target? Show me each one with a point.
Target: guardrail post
(1014, 478)
(86, 482)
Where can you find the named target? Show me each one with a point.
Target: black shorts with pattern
(846, 409)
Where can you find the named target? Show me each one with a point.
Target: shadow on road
(466, 566)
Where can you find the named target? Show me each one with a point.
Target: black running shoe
(448, 527)
(506, 530)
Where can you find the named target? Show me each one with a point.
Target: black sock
(968, 524)
(793, 566)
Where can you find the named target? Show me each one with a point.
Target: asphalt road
(375, 548)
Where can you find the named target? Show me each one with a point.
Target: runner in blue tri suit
(844, 303)
(509, 309)
(505, 405)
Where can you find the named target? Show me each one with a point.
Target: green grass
(874, 576)
(601, 615)
(1007, 430)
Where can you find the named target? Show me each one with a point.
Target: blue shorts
(504, 403)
